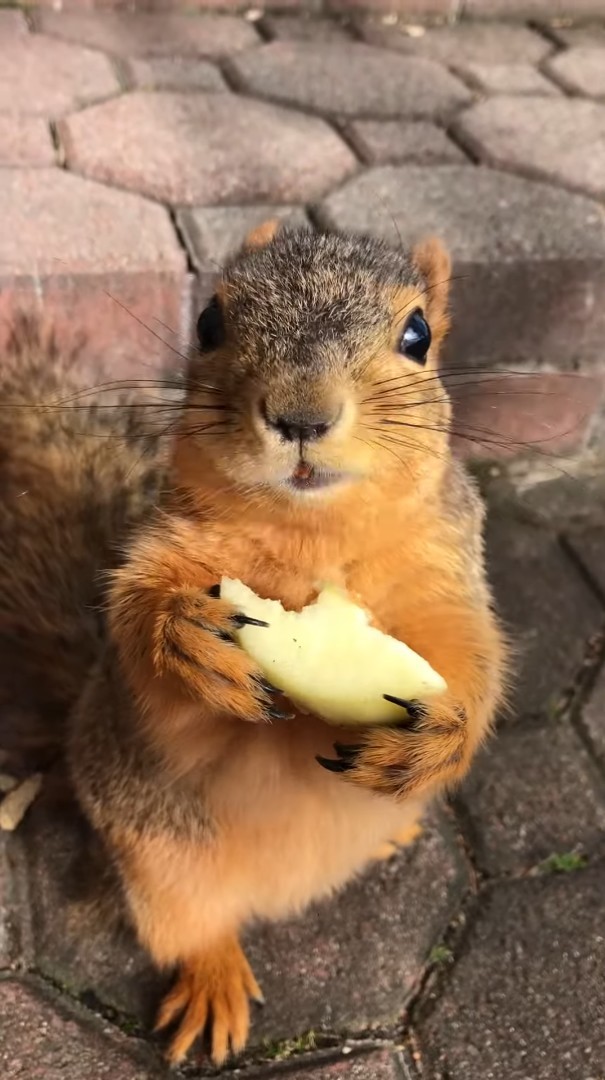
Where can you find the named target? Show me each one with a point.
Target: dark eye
(211, 327)
(415, 341)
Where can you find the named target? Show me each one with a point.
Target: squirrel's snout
(299, 426)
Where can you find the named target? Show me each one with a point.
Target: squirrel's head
(317, 365)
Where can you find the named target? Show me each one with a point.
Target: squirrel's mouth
(309, 478)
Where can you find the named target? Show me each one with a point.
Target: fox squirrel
(311, 445)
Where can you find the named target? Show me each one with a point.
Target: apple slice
(329, 660)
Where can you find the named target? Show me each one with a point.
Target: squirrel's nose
(298, 427)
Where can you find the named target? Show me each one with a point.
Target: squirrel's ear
(261, 235)
(435, 265)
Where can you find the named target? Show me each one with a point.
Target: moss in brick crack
(565, 863)
(440, 954)
(281, 1050)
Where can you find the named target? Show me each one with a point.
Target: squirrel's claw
(346, 760)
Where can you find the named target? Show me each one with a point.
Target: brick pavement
(131, 127)
(131, 167)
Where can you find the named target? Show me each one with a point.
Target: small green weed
(565, 863)
(440, 954)
(281, 1050)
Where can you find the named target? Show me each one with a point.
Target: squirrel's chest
(287, 831)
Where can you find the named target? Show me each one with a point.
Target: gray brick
(525, 998)
(533, 794)
(348, 80)
(518, 248)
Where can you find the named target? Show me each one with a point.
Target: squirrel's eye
(415, 341)
(210, 327)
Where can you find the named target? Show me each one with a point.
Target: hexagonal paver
(550, 612)
(525, 998)
(384, 925)
(558, 138)
(466, 42)
(142, 34)
(593, 717)
(581, 70)
(380, 1066)
(42, 1036)
(60, 223)
(43, 77)
(381, 142)
(577, 33)
(348, 80)
(67, 242)
(533, 794)
(528, 264)
(173, 73)
(25, 141)
(508, 79)
(228, 150)
(215, 233)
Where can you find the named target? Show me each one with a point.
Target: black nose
(298, 428)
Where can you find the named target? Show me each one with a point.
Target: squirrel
(311, 445)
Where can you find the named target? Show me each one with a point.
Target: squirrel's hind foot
(212, 992)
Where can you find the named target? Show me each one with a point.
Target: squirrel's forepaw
(195, 641)
(425, 750)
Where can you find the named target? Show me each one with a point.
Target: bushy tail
(75, 475)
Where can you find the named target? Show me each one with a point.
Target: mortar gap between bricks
(432, 981)
(582, 569)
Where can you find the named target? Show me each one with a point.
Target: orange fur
(403, 537)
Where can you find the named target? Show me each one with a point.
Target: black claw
(268, 687)
(334, 766)
(277, 714)
(348, 753)
(240, 620)
(215, 592)
(413, 708)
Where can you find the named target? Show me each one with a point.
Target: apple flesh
(329, 660)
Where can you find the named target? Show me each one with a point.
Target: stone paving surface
(477, 954)
(213, 110)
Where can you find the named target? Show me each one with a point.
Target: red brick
(47, 1039)
(523, 414)
(12, 25)
(67, 243)
(206, 149)
(348, 80)
(44, 77)
(142, 34)
(461, 43)
(560, 139)
(416, 9)
(581, 70)
(302, 28)
(507, 79)
(572, 34)
(402, 142)
(25, 141)
(526, 9)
